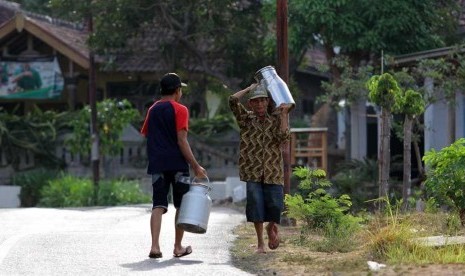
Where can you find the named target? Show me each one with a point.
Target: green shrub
(113, 115)
(321, 212)
(31, 182)
(69, 191)
(358, 179)
(318, 206)
(339, 235)
(118, 192)
(446, 176)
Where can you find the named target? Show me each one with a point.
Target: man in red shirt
(170, 155)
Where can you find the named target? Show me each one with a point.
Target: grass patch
(291, 257)
(381, 238)
(328, 239)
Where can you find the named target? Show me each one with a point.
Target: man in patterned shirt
(261, 161)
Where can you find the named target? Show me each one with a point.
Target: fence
(218, 157)
(309, 147)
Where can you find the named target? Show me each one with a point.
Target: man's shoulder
(178, 107)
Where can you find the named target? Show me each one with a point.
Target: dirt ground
(292, 259)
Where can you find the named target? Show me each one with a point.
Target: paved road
(109, 241)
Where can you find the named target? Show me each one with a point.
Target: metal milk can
(195, 207)
(275, 85)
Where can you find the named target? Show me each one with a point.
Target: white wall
(358, 124)
(435, 122)
(9, 196)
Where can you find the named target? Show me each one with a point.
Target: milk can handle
(209, 188)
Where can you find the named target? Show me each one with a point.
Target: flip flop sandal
(155, 255)
(185, 253)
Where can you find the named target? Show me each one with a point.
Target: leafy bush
(322, 212)
(112, 116)
(318, 206)
(31, 182)
(210, 127)
(113, 193)
(69, 191)
(358, 179)
(36, 132)
(446, 176)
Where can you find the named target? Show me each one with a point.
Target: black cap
(170, 82)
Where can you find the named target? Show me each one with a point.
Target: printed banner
(36, 79)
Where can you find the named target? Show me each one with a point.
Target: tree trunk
(462, 216)
(406, 181)
(421, 169)
(384, 155)
(451, 122)
(348, 133)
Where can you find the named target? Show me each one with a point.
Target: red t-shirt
(181, 115)
(163, 121)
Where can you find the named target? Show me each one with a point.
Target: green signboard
(32, 79)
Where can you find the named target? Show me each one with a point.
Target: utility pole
(93, 106)
(283, 72)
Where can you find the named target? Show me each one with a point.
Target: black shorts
(265, 202)
(161, 184)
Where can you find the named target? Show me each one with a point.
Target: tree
(348, 93)
(384, 91)
(411, 104)
(362, 29)
(113, 116)
(204, 38)
(37, 132)
(36, 6)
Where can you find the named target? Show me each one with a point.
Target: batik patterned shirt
(260, 155)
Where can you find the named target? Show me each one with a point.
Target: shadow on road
(150, 264)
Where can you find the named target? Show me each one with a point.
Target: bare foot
(273, 237)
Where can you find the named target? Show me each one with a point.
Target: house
(439, 118)
(31, 37)
(26, 36)
(41, 42)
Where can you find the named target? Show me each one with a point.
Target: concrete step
(436, 241)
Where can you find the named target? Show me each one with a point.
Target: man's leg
(179, 190)
(159, 207)
(179, 250)
(155, 226)
(259, 231)
(273, 235)
(273, 197)
(179, 234)
(255, 211)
